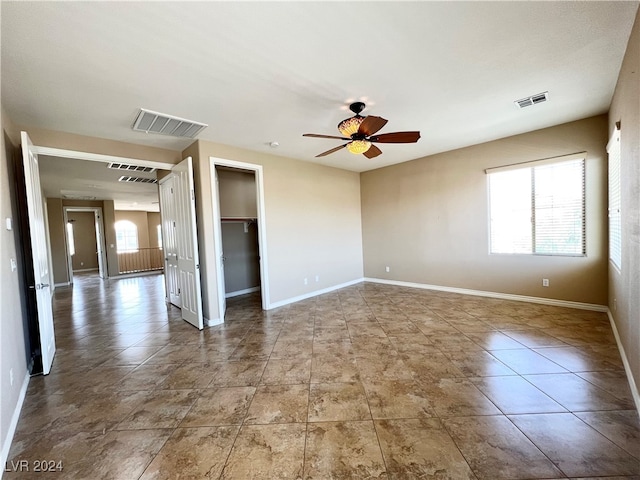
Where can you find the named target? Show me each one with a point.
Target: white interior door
(222, 297)
(102, 254)
(169, 239)
(187, 243)
(39, 252)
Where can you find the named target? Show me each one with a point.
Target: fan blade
(329, 152)
(371, 125)
(315, 135)
(396, 137)
(372, 152)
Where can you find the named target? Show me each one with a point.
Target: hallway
(370, 381)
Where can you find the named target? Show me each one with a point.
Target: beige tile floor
(371, 381)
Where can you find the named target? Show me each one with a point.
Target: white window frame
(528, 212)
(126, 236)
(614, 200)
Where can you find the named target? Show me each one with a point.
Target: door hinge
(178, 291)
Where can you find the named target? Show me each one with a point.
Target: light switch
(14, 265)
(9, 223)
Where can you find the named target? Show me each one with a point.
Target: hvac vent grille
(532, 100)
(131, 168)
(154, 122)
(127, 179)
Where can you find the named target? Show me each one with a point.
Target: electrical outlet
(545, 282)
(306, 281)
(317, 278)
(11, 376)
(387, 269)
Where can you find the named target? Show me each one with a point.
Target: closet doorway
(241, 239)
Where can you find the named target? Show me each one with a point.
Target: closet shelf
(238, 219)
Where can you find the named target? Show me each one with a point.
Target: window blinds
(539, 207)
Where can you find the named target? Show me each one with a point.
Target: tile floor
(371, 381)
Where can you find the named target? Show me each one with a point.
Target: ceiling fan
(360, 133)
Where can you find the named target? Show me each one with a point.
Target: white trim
(315, 293)
(214, 322)
(237, 293)
(6, 445)
(98, 157)
(63, 284)
(503, 296)
(627, 368)
(87, 270)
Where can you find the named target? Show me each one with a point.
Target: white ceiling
(258, 72)
(92, 180)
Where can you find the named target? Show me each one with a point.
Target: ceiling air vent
(131, 168)
(532, 100)
(127, 179)
(154, 122)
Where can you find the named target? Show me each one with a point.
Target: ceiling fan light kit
(359, 132)
(358, 146)
(350, 126)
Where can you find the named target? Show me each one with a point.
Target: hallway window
(126, 236)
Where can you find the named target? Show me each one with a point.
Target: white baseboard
(6, 444)
(214, 322)
(62, 284)
(625, 361)
(315, 293)
(237, 293)
(85, 270)
(503, 296)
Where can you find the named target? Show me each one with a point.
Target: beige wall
(102, 146)
(153, 221)
(237, 192)
(624, 286)
(13, 353)
(313, 224)
(59, 263)
(84, 236)
(428, 219)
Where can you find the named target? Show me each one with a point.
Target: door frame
(262, 231)
(102, 252)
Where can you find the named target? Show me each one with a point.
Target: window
(159, 236)
(126, 236)
(615, 219)
(70, 241)
(538, 208)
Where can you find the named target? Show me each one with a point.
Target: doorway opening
(86, 249)
(239, 223)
